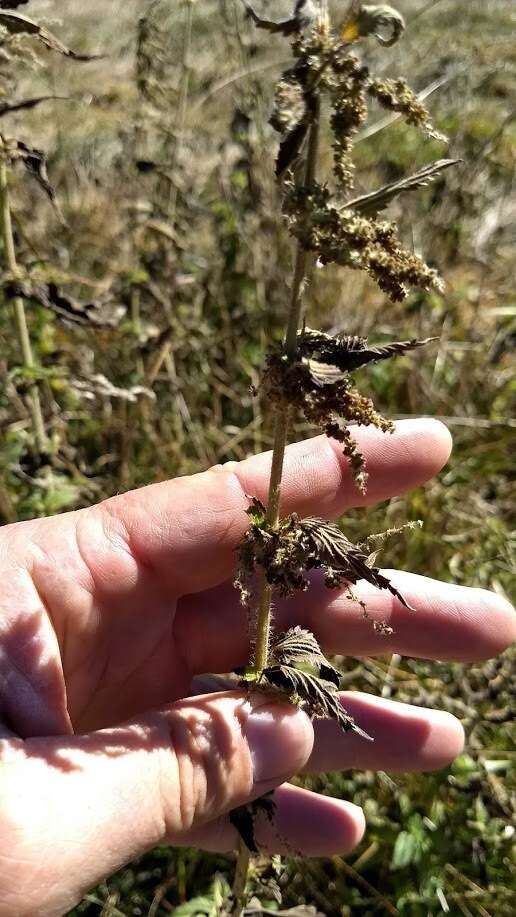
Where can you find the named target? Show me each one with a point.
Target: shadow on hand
(201, 731)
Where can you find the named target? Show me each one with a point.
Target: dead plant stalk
(20, 317)
(311, 371)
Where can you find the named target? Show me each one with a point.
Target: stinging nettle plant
(311, 373)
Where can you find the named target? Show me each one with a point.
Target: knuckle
(206, 769)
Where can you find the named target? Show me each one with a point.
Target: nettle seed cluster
(311, 372)
(347, 233)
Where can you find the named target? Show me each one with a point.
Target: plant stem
(20, 318)
(240, 881)
(301, 268)
(183, 106)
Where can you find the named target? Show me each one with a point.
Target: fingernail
(280, 739)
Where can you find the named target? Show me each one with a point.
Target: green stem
(20, 318)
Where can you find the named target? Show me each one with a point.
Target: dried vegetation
(148, 289)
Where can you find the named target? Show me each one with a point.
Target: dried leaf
(363, 21)
(100, 315)
(341, 559)
(244, 819)
(325, 354)
(257, 511)
(35, 161)
(290, 148)
(324, 373)
(98, 386)
(22, 25)
(374, 203)
(25, 104)
(300, 646)
(303, 16)
(319, 698)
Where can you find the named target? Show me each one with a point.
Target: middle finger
(453, 623)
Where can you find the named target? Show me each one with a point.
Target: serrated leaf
(374, 203)
(22, 25)
(346, 353)
(319, 698)
(331, 549)
(49, 295)
(299, 646)
(324, 373)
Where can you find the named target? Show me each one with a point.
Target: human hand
(109, 614)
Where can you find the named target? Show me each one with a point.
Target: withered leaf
(304, 14)
(374, 203)
(319, 698)
(330, 549)
(256, 511)
(99, 386)
(48, 295)
(17, 24)
(346, 353)
(364, 20)
(324, 373)
(291, 147)
(24, 104)
(35, 161)
(300, 646)
(244, 819)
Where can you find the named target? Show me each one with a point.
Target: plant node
(287, 554)
(318, 382)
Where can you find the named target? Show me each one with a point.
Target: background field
(162, 161)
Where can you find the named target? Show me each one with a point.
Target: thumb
(73, 810)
